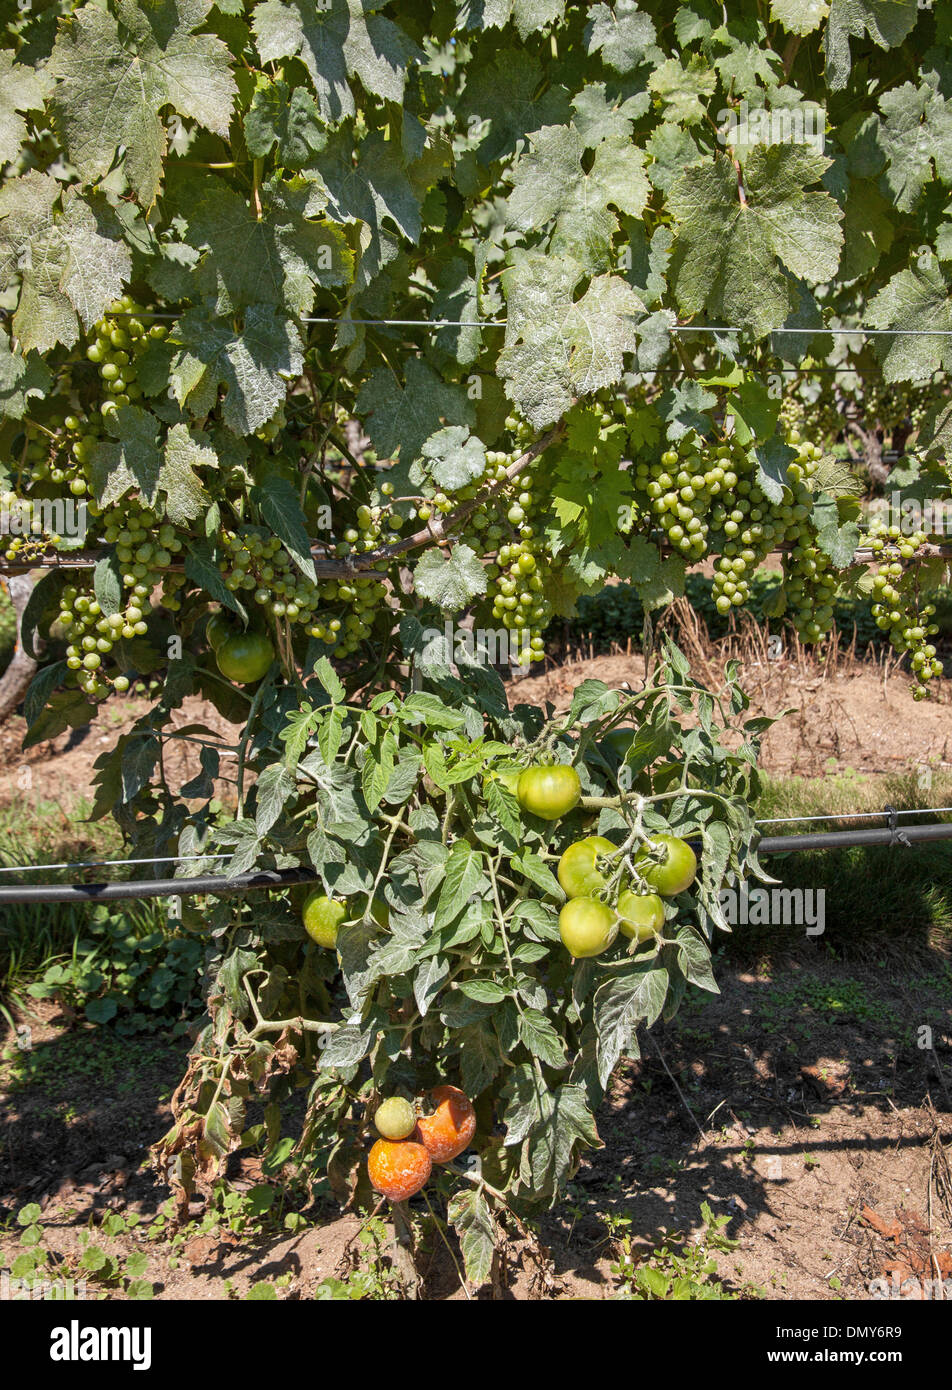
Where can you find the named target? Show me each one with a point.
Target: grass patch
(85, 1061)
(63, 941)
(889, 894)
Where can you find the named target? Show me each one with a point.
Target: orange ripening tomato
(448, 1131)
(398, 1168)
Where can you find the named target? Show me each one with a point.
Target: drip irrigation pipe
(276, 879)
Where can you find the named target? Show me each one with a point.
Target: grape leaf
(454, 457)
(935, 433)
(916, 298)
(287, 117)
(599, 116)
(556, 347)
(887, 22)
(186, 497)
(404, 417)
(729, 251)
(916, 133)
(773, 458)
(248, 361)
(836, 477)
(21, 376)
(68, 253)
(21, 89)
(133, 460)
(620, 34)
(457, 299)
(280, 258)
(681, 90)
(280, 508)
(799, 16)
(550, 184)
(747, 68)
(672, 150)
(527, 15)
(868, 229)
(500, 127)
(451, 583)
(117, 73)
(337, 39)
(107, 584)
(375, 186)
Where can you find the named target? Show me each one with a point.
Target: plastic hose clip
(897, 836)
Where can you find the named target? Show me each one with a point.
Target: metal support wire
(276, 879)
(501, 323)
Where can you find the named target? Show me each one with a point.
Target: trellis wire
(502, 323)
(888, 814)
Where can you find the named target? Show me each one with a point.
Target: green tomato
(587, 927)
(395, 1118)
(322, 916)
(245, 657)
(549, 792)
(641, 914)
(577, 872)
(218, 630)
(675, 872)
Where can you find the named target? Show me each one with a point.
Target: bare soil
(798, 1103)
(850, 716)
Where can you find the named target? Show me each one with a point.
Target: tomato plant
(641, 915)
(244, 657)
(395, 1118)
(218, 630)
(398, 1170)
(322, 916)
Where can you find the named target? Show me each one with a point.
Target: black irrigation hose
(283, 878)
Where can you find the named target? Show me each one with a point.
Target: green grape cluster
(820, 418)
(889, 407)
(143, 548)
(517, 578)
(339, 612)
(120, 340)
(809, 579)
(679, 494)
(898, 607)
